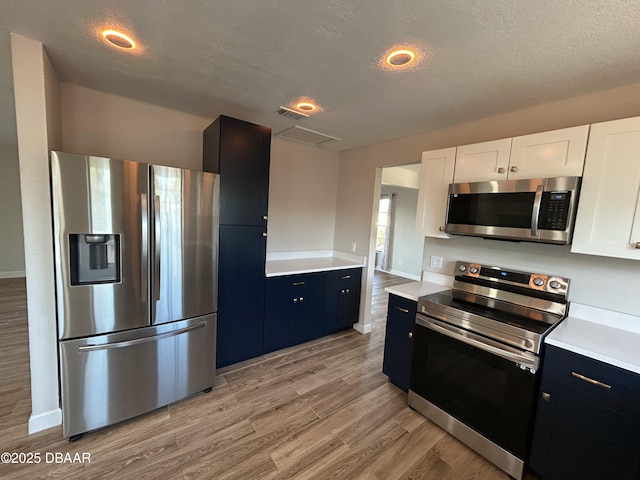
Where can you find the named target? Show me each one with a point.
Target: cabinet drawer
(402, 307)
(348, 276)
(611, 386)
(296, 285)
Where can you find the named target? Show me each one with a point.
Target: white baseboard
(45, 420)
(362, 328)
(16, 274)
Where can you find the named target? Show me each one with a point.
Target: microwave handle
(537, 200)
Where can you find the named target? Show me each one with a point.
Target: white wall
(359, 167)
(103, 124)
(406, 246)
(303, 185)
(37, 119)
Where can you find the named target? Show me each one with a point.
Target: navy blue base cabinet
(398, 341)
(303, 307)
(588, 420)
(293, 310)
(342, 300)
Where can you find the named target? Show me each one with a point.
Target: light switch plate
(435, 262)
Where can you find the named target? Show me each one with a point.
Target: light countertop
(610, 337)
(415, 290)
(292, 263)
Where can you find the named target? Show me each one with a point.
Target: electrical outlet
(435, 262)
(353, 247)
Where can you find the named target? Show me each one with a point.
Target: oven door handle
(526, 359)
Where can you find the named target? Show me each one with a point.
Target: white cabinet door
(608, 219)
(483, 161)
(436, 174)
(559, 153)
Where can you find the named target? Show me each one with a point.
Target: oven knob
(462, 268)
(473, 269)
(538, 282)
(555, 284)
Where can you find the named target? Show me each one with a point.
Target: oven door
(485, 385)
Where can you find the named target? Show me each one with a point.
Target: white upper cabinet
(559, 153)
(436, 173)
(482, 161)
(608, 218)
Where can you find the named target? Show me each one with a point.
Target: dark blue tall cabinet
(240, 152)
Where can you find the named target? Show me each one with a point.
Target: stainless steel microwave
(533, 210)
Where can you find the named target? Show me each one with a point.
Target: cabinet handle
(441, 228)
(410, 335)
(546, 396)
(295, 284)
(264, 234)
(501, 170)
(403, 310)
(637, 244)
(514, 168)
(264, 217)
(347, 277)
(590, 380)
(348, 290)
(301, 299)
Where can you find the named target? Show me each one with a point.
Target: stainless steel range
(477, 353)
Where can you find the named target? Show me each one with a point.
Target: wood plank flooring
(322, 410)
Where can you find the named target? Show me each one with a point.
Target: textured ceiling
(245, 58)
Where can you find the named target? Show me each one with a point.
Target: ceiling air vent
(292, 114)
(306, 136)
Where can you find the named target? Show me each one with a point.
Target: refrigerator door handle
(156, 256)
(138, 341)
(144, 242)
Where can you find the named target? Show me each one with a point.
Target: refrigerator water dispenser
(94, 258)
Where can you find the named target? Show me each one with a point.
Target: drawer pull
(403, 310)
(410, 335)
(345, 277)
(637, 244)
(590, 380)
(296, 284)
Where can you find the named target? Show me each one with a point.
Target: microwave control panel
(554, 210)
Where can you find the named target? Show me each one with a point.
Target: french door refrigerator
(136, 249)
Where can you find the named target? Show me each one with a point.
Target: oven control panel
(533, 281)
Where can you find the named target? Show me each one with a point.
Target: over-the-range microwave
(532, 210)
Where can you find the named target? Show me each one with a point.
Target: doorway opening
(398, 249)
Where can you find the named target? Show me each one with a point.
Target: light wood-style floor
(322, 410)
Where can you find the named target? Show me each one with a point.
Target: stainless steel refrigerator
(136, 249)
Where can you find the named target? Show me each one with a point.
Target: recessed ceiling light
(306, 106)
(400, 58)
(118, 39)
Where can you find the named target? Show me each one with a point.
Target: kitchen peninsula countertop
(291, 263)
(431, 283)
(611, 337)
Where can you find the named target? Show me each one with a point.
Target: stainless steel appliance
(136, 284)
(477, 350)
(533, 210)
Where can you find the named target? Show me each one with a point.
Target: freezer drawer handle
(138, 341)
(590, 380)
